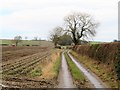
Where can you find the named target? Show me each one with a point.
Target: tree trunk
(16, 43)
(74, 39)
(55, 44)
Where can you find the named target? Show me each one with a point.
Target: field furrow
(32, 68)
(23, 62)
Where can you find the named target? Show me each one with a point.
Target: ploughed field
(24, 66)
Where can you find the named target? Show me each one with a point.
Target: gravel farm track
(18, 62)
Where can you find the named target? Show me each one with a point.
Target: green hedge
(105, 53)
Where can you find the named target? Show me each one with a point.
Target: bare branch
(80, 25)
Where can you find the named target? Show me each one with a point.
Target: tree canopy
(17, 39)
(80, 25)
(55, 35)
(77, 26)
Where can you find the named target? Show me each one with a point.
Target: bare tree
(80, 26)
(17, 39)
(35, 38)
(26, 37)
(55, 35)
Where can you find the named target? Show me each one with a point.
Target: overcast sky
(38, 17)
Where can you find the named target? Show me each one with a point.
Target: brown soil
(18, 62)
(11, 53)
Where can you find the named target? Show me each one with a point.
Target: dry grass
(48, 71)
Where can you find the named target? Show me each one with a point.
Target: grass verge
(101, 70)
(57, 65)
(78, 76)
(49, 68)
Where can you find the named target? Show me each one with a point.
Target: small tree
(26, 37)
(65, 39)
(17, 39)
(39, 41)
(35, 38)
(55, 35)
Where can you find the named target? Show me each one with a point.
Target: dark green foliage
(65, 40)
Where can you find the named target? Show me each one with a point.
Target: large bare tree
(80, 26)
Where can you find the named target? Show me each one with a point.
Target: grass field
(96, 42)
(37, 43)
(26, 42)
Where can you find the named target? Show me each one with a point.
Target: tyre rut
(97, 83)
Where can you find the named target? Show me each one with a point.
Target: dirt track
(94, 80)
(65, 78)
